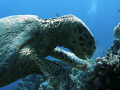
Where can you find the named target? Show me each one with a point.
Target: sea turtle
(25, 41)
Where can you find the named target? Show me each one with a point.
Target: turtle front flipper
(56, 74)
(70, 58)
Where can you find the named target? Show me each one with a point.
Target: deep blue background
(101, 16)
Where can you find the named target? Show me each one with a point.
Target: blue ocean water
(101, 16)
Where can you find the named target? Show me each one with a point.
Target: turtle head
(81, 41)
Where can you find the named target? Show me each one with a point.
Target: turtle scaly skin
(25, 41)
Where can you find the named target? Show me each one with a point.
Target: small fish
(103, 52)
(57, 14)
(118, 10)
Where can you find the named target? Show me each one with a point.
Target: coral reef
(31, 82)
(117, 31)
(106, 73)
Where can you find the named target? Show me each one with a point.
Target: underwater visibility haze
(100, 16)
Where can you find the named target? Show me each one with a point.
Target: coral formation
(117, 31)
(31, 82)
(106, 73)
